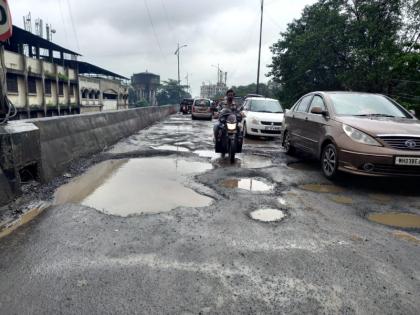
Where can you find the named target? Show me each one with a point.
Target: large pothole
(135, 186)
(249, 184)
(267, 215)
(396, 219)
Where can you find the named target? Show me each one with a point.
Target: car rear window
(202, 103)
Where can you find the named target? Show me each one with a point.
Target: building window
(61, 89)
(48, 87)
(31, 85)
(71, 91)
(12, 83)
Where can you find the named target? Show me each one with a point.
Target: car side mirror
(413, 112)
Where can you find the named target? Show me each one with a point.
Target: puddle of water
(406, 237)
(321, 188)
(171, 148)
(135, 186)
(342, 199)
(249, 184)
(380, 198)
(267, 215)
(403, 220)
(207, 154)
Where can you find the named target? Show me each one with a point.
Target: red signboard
(6, 25)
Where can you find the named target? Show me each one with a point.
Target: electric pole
(259, 50)
(177, 53)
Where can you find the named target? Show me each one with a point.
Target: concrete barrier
(67, 138)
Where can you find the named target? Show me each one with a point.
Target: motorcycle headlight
(359, 136)
(231, 126)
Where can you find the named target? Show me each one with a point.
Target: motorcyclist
(226, 107)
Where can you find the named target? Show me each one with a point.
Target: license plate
(400, 160)
(273, 128)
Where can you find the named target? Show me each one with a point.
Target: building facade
(145, 86)
(213, 91)
(45, 79)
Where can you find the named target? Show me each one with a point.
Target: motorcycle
(229, 137)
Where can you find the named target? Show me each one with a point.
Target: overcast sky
(122, 37)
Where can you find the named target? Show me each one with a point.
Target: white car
(263, 117)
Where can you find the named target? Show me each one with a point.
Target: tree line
(354, 45)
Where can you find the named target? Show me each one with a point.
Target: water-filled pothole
(168, 147)
(249, 184)
(396, 219)
(322, 188)
(267, 215)
(135, 186)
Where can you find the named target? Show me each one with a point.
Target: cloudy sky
(129, 36)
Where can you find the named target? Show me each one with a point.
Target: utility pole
(259, 51)
(177, 53)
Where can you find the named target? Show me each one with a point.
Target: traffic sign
(6, 25)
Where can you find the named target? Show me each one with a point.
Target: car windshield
(202, 103)
(365, 105)
(266, 106)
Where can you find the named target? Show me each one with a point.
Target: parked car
(201, 108)
(263, 117)
(185, 106)
(359, 133)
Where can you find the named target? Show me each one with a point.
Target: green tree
(170, 92)
(362, 45)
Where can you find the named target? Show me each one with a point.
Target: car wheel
(192, 117)
(329, 161)
(287, 144)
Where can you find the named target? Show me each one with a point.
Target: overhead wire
(73, 25)
(153, 29)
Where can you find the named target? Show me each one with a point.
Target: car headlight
(254, 121)
(359, 136)
(231, 126)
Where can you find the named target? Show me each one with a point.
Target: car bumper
(262, 131)
(377, 164)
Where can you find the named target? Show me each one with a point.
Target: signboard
(6, 26)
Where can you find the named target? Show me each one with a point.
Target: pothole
(135, 186)
(322, 188)
(249, 184)
(242, 161)
(171, 148)
(396, 219)
(267, 215)
(342, 200)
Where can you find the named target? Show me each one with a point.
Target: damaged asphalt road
(323, 256)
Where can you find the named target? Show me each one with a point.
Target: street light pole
(177, 53)
(259, 51)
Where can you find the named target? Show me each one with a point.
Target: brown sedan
(360, 133)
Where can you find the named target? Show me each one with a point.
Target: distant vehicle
(185, 106)
(253, 95)
(201, 108)
(263, 117)
(359, 133)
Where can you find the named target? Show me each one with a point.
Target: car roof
(341, 92)
(261, 98)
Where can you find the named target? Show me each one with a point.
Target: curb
(9, 227)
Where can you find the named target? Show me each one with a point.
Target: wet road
(194, 245)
